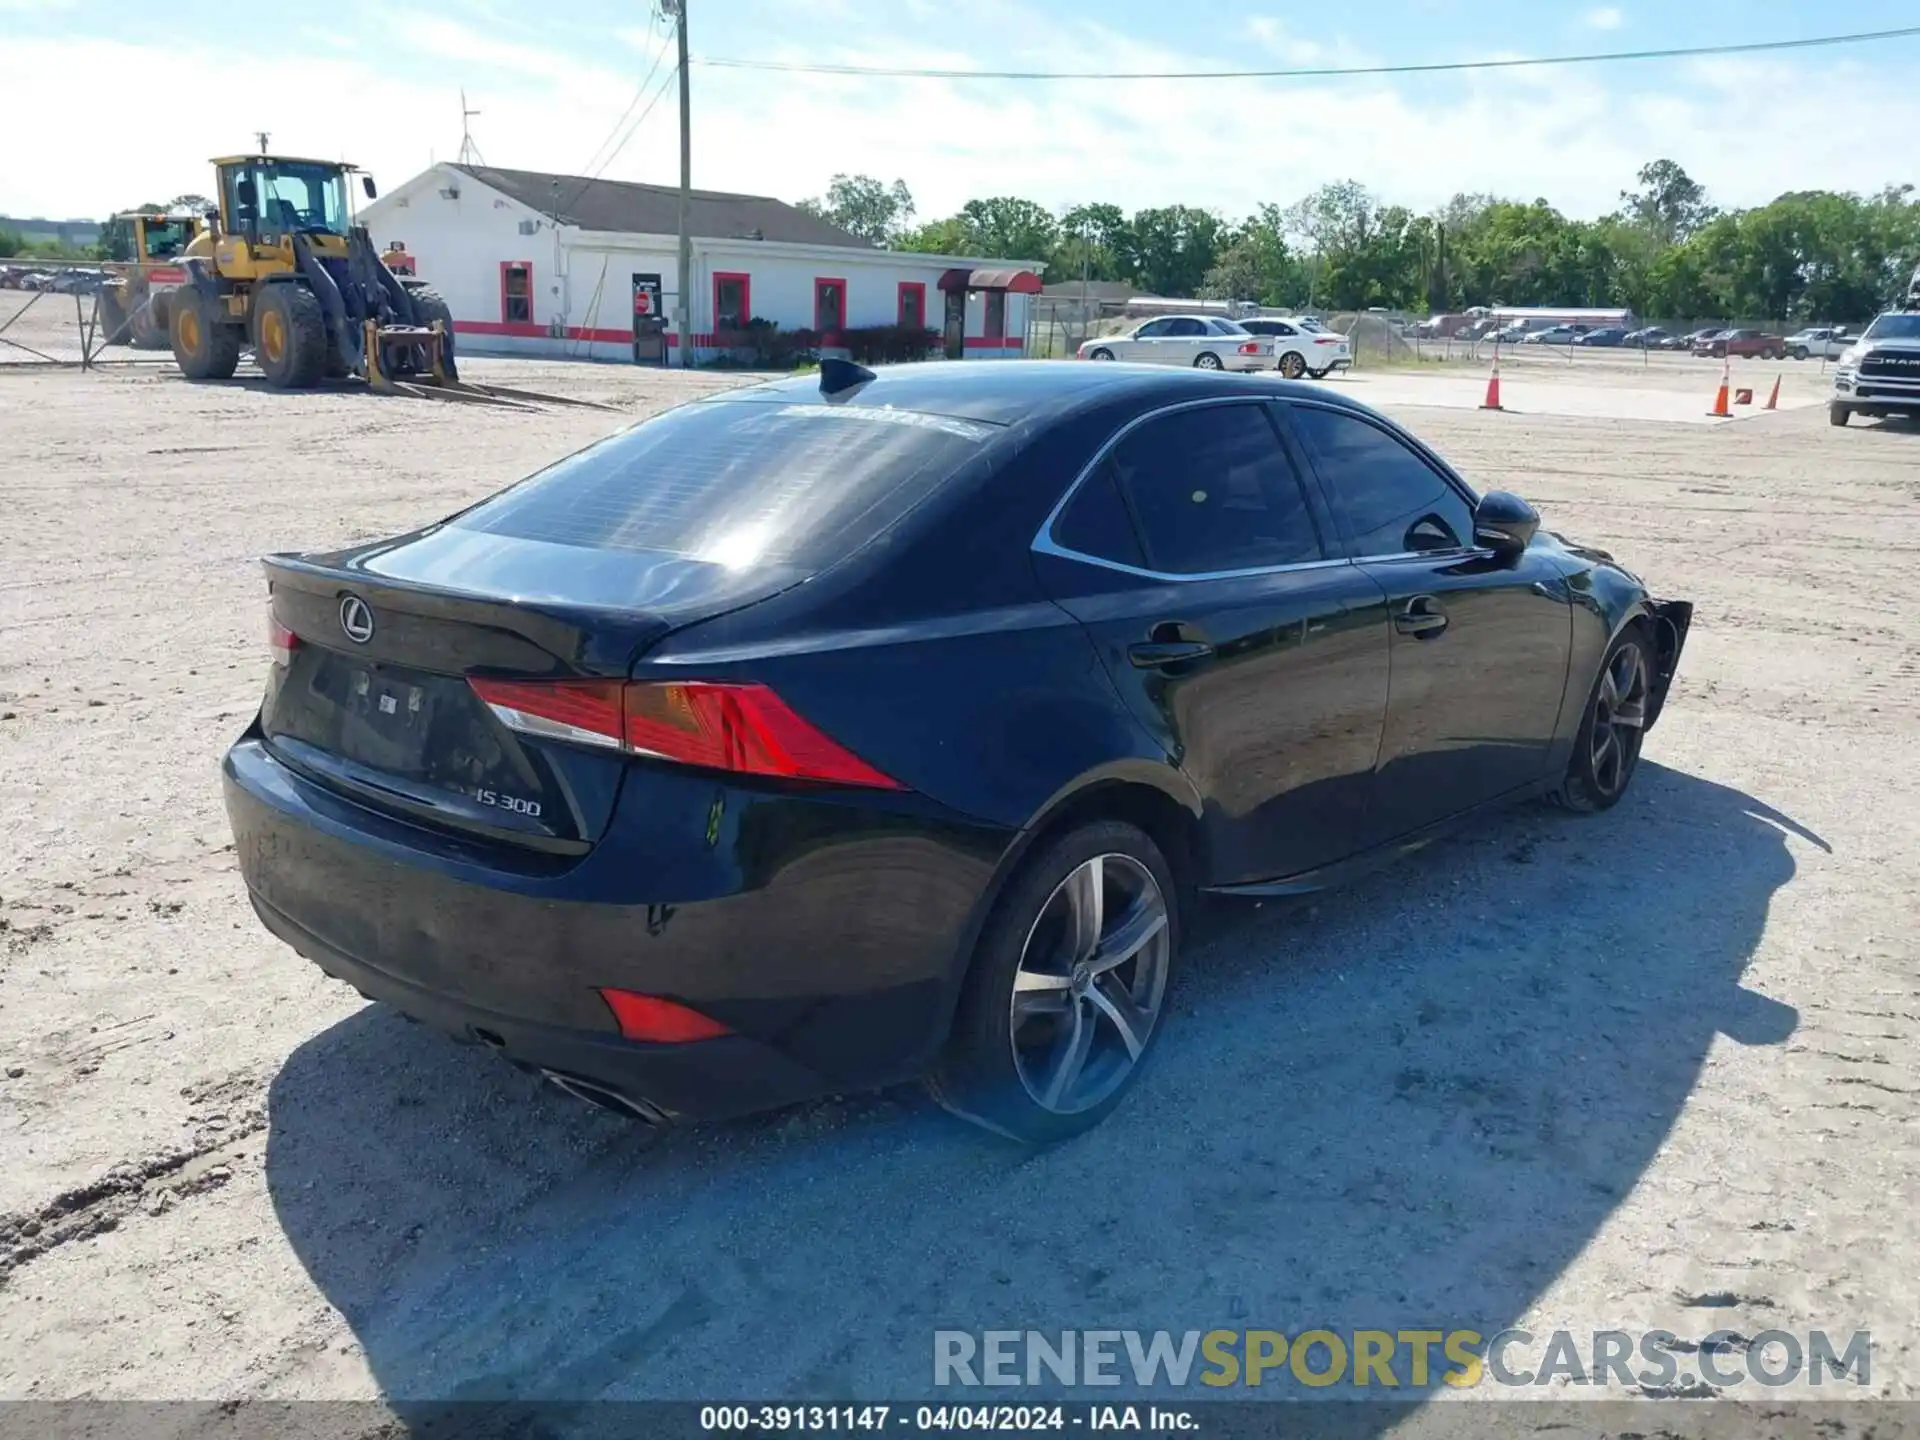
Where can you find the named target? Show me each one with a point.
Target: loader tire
(289, 336)
(204, 346)
(427, 308)
(147, 326)
(112, 318)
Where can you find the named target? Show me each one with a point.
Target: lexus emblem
(356, 619)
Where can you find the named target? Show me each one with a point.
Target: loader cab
(265, 200)
(158, 239)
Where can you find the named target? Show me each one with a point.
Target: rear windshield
(739, 483)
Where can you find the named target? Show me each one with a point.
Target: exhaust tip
(605, 1099)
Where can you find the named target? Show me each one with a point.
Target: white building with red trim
(560, 265)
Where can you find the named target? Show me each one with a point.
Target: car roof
(1024, 391)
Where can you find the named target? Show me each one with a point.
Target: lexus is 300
(850, 729)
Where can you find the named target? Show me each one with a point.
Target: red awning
(1020, 282)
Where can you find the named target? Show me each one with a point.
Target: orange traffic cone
(1773, 396)
(1492, 402)
(1720, 409)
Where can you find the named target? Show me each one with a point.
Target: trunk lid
(375, 700)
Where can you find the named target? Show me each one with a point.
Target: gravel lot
(1656, 1068)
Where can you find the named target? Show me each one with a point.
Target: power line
(640, 90)
(614, 154)
(1312, 72)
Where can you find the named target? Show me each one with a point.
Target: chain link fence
(85, 315)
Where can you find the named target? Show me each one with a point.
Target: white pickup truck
(1880, 373)
(1821, 342)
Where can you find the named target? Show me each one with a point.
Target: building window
(829, 306)
(516, 292)
(996, 314)
(732, 300)
(913, 305)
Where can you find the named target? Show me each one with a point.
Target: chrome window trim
(1045, 544)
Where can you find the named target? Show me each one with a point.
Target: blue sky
(379, 83)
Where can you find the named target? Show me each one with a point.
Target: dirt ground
(1657, 1068)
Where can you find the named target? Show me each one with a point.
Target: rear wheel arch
(1169, 817)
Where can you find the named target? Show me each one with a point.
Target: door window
(1212, 490)
(1394, 500)
(1153, 330)
(1185, 326)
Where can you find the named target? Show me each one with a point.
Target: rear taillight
(281, 642)
(662, 1022)
(1326, 340)
(1252, 347)
(743, 728)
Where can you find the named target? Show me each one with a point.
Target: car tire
(1839, 414)
(1207, 360)
(1606, 752)
(1293, 365)
(1101, 354)
(1064, 1066)
(1320, 374)
(1799, 352)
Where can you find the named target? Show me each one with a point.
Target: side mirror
(366, 184)
(1504, 523)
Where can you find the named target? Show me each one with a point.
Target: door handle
(1156, 654)
(1421, 618)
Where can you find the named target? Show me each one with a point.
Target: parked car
(703, 787)
(1298, 350)
(1552, 335)
(1512, 334)
(1693, 338)
(1823, 342)
(1650, 338)
(1206, 342)
(1743, 345)
(1604, 337)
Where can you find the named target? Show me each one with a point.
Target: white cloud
(1574, 135)
(1607, 17)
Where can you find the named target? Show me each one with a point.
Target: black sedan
(829, 733)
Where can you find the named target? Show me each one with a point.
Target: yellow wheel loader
(135, 304)
(287, 272)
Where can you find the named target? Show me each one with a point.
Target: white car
(1205, 342)
(1301, 346)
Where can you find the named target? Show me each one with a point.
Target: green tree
(12, 242)
(1006, 227)
(939, 237)
(1098, 235)
(1172, 248)
(1669, 203)
(864, 206)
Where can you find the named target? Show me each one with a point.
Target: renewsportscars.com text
(1396, 1359)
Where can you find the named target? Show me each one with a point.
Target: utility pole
(678, 9)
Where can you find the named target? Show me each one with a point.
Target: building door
(956, 327)
(649, 328)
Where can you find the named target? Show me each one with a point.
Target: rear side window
(1096, 523)
(1213, 490)
(1393, 499)
(739, 483)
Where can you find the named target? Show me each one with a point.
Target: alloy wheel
(1092, 978)
(1619, 718)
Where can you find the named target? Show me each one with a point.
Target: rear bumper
(707, 1080)
(827, 932)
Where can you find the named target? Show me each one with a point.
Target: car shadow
(1408, 1103)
